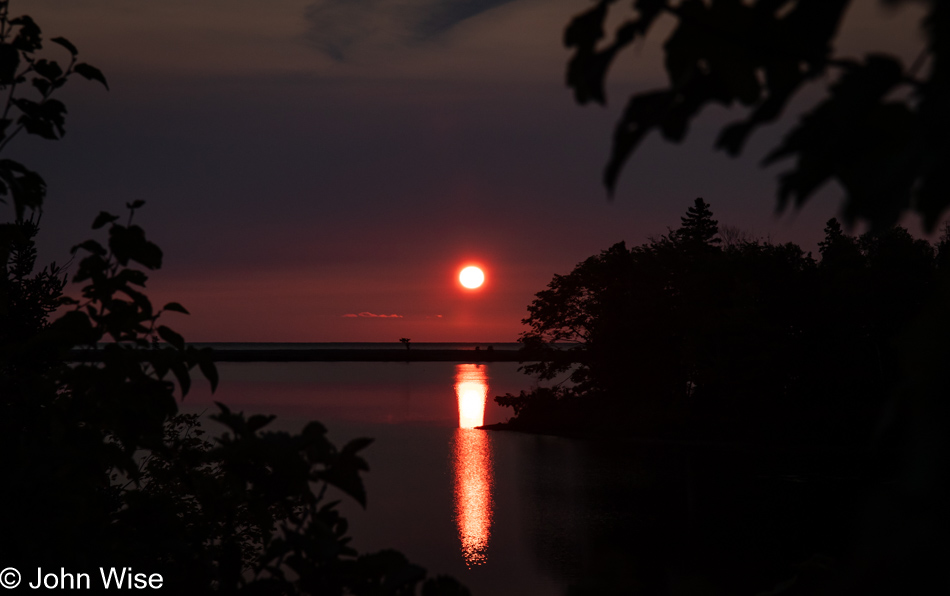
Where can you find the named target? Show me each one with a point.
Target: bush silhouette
(100, 468)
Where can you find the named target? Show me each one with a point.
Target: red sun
(471, 277)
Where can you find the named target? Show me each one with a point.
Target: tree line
(691, 335)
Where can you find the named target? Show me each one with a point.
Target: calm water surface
(503, 512)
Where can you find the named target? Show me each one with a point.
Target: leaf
(587, 28)
(90, 246)
(91, 267)
(586, 70)
(208, 368)
(344, 475)
(259, 421)
(783, 79)
(181, 374)
(649, 10)
(27, 188)
(91, 73)
(37, 125)
(102, 219)
(135, 204)
(9, 62)
(314, 429)
(48, 69)
(28, 37)
(586, 73)
(811, 27)
(131, 276)
(129, 243)
(175, 307)
(857, 139)
(171, 337)
(42, 85)
(75, 329)
(685, 48)
(356, 445)
(66, 44)
(644, 112)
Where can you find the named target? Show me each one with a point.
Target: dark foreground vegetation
(100, 470)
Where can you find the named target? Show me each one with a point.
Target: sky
(320, 170)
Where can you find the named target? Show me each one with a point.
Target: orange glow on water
(473, 465)
(471, 388)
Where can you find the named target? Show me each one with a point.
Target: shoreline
(346, 355)
(701, 445)
(366, 355)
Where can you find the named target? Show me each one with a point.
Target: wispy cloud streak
(335, 27)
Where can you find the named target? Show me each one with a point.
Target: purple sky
(303, 161)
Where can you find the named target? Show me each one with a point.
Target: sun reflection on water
(473, 465)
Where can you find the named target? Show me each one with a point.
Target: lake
(509, 513)
(503, 512)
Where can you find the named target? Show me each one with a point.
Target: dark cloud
(337, 26)
(442, 16)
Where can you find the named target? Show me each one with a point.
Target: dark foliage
(100, 468)
(868, 356)
(789, 414)
(881, 133)
(755, 341)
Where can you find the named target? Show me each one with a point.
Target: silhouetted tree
(697, 226)
(838, 248)
(758, 337)
(733, 236)
(635, 317)
(943, 251)
(28, 297)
